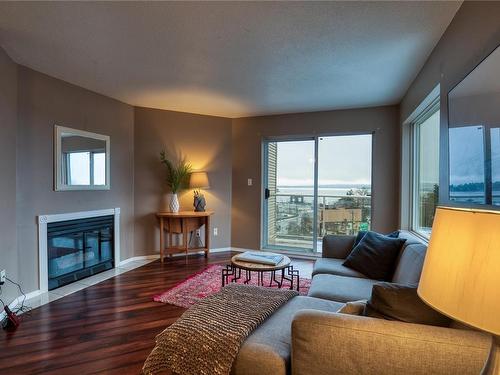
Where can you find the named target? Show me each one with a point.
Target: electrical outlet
(250, 182)
(3, 275)
(216, 231)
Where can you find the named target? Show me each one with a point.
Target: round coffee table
(234, 270)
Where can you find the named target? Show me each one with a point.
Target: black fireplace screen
(79, 248)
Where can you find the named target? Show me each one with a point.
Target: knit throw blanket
(206, 339)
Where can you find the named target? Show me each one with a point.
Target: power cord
(3, 304)
(22, 308)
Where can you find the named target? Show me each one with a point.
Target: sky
(467, 154)
(429, 150)
(342, 160)
(495, 154)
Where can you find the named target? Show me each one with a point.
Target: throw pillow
(375, 256)
(362, 233)
(401, 302)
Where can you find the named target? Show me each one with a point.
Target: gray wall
(247, 139)
(477, 109)
(473, 33)
(43, 102)
(205, 141)
(8, 120)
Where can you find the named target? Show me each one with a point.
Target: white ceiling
(230, 59)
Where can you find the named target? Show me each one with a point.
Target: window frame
(433, 107)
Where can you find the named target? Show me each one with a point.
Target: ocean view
(338, 190)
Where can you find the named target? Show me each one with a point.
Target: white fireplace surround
(43, 220)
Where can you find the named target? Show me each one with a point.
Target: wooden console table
(183, 222)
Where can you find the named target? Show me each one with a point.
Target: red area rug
(208, 282)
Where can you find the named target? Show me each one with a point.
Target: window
(495, 166)
(99, 168)
(79, 168)
(85, 168)
(474, 164)
(467, 160)
(425, 169)
(313, 187)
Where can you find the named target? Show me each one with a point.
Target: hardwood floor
(106, 328)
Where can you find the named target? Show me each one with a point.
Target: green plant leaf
(177, 175)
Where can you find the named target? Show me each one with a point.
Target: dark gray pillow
(375, 256)
(362, 233)
(401, 302)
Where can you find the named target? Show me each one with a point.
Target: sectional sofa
(309, 335)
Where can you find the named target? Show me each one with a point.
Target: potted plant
(177, 178)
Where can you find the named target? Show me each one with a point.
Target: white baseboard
(240, 249)
(141, 257)
(14, 304)
(220, 249)
(157, 256)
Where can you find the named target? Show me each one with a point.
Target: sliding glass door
(313, 187)
(289, 194)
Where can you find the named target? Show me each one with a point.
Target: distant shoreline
(339, 186)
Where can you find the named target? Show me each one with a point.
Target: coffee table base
(292, 275)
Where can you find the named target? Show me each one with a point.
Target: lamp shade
(199, 180)
(461, 273)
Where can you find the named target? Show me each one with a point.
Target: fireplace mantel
(43, 220)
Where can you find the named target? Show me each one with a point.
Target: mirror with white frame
(81, 160)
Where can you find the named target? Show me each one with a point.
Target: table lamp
(199, 180)
(461, 273)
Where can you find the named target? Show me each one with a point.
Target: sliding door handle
(267, 193)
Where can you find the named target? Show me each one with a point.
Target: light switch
(250, 182)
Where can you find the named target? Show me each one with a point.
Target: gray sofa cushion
(267, 350)
(410, 264)
(334, 266)
(341, 288)
(337, 246)
(410, 238)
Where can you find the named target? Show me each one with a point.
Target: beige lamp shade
(199, 180)
(461, 273)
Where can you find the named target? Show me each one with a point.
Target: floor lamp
(461, 274)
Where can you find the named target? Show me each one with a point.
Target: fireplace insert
(79, 248)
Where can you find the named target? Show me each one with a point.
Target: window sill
(420, 236)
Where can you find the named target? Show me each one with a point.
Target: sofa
(335, 282)
(309, 335)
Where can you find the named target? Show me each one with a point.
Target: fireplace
(79, 248)
(77, 245)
